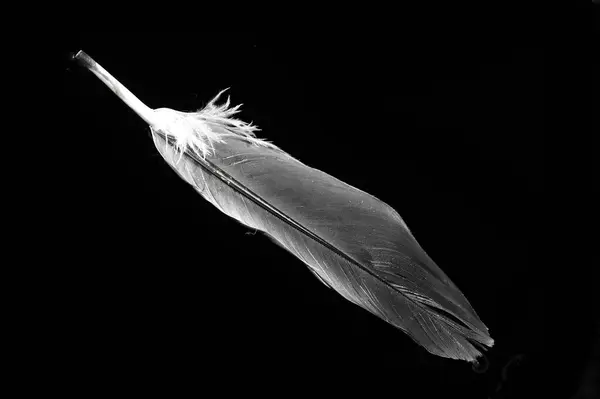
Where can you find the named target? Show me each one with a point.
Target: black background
(443, 122)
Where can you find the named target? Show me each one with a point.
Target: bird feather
(353, 242)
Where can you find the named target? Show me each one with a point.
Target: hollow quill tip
(83, 59)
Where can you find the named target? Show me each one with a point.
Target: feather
(354, 243)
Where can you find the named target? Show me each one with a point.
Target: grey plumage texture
(355, 243)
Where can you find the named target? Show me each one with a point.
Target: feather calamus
(353, 242)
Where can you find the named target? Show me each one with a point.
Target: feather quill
(353, 242)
